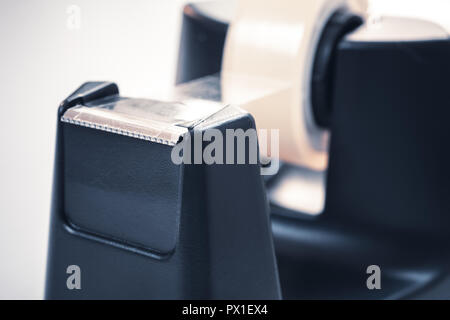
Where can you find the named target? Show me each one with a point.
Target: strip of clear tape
(152, 120)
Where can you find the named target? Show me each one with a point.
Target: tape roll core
(341, 23)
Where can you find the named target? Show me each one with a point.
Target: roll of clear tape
(267, 68)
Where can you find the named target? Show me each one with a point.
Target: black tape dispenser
(361, 106)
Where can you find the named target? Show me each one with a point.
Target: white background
(131, 42)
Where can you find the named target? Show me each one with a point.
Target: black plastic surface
(339, 25)
(201, 45)
(126, 189)
(387, 186)
(110, 179)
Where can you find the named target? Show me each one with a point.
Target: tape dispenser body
(139, 225)
(379, 105)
